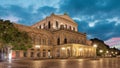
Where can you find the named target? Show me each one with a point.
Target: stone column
(35, 53)
(77, 50)
(28, 53)
(53, 51)
(46, 53)
(41, 52)
(61, 55)
(71, 51)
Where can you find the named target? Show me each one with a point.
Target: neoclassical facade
(56, 36)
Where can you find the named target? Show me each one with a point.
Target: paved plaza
(63, 63)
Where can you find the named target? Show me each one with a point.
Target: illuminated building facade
(56, 36)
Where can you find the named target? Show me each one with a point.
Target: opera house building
(56, 36)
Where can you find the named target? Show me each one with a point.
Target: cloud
(25, 16)
(27, 3)
(114, 19)
(11, 18)
(97, 18)
(92, 24)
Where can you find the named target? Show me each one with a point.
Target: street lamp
(107, 51)
(112, 52)
(95, 45)
(101, 51)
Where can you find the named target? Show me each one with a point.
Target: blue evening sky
(98, 18)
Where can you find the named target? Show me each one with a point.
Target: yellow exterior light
(95, 45)
(107, 51)
(81, 49)
(112, 52)
(101, 51)
(63, 48)
(37, 46)
(116, 53)
(61, 23)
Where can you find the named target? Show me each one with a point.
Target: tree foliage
(102, 46)
(9, 35)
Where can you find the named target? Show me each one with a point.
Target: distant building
(56, 36)
(113, 42)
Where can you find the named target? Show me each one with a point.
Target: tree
(100, 46)
(11, 36)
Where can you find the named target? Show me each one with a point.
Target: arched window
(65, 26)
(40, 27)
(32, 54)
(44, 53)
(25, 54)
(70, 27)
(57, 24)
(74, 28)
(38, 54)
(44, 26)
(58, 41)
(49, 42)
(49, 25)
(65, 41)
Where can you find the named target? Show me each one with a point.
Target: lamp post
(95, 46)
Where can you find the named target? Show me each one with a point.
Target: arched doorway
(44, 53)
(58, 41)
(68, 52)
(38, 54)
(58, 53)
(65, 41)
